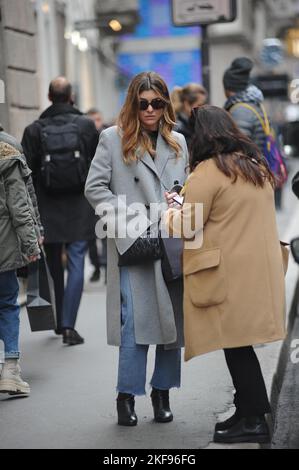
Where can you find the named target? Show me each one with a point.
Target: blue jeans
(68, 297)
(133, 357)
(9, 314)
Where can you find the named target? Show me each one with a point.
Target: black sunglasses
(157, 103)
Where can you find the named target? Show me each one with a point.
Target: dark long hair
(217, 136)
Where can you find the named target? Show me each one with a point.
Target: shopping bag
(40, 296)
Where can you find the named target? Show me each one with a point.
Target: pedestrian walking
(19, 235)
(245, 103)
(185, 99)
(9, 139)
(97, 117)
(238, 89)
(97, 259)
(59, 148)
(137, 160)
(234, 290)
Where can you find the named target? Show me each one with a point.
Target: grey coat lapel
(163, 153)
(159, 163)
(149, 162)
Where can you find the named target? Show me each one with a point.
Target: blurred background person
(59, 148)
(238, 89)
(184, 100)
(245, 104)
(98, 258)
(97, 117)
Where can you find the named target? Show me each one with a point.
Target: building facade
(41, 39)
(18, 65)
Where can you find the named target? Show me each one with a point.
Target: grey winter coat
(18, 225)
(246, 119)
(157, 310)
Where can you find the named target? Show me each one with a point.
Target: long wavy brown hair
(134, 138)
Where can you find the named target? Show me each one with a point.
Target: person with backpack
(59, 148)
(245, 104)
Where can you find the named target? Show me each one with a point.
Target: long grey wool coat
(157, 309)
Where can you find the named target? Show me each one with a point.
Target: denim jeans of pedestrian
(68, 297)
(9, 314)
(133, 357)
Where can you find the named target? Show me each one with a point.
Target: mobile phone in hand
(177, 189)
(178, 199)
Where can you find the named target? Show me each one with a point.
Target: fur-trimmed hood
(10, 156)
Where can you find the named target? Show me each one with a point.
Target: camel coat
(234, 289)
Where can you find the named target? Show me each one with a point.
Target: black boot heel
(160, 402)
(125, 410)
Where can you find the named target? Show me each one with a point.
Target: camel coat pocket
(205, 277)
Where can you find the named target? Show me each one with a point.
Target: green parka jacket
(19, 231)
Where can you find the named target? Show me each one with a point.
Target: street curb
(285, 391)
(280, 389)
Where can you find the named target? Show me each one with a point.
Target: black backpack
(64, 167)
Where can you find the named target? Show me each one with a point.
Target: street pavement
(72, 404)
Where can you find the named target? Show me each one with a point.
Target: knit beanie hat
(237, 77)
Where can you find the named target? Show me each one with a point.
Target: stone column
(18, 65)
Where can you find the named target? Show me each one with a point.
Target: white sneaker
(11, 381)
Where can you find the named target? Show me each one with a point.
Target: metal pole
(205, 57)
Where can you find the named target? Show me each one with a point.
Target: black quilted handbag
(144, 250)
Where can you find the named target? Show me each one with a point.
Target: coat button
(136, 179)
(147, 206)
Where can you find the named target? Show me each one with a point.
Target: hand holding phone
(173, 196)
(177, 189)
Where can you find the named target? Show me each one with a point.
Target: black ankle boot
(253, 429)
(222, 426)
(160, 402)
(125, 410)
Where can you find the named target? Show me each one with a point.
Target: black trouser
(96, 260)
(251, 395)
(94, 254)
(68, 297)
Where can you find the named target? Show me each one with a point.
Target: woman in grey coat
(135, 163)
